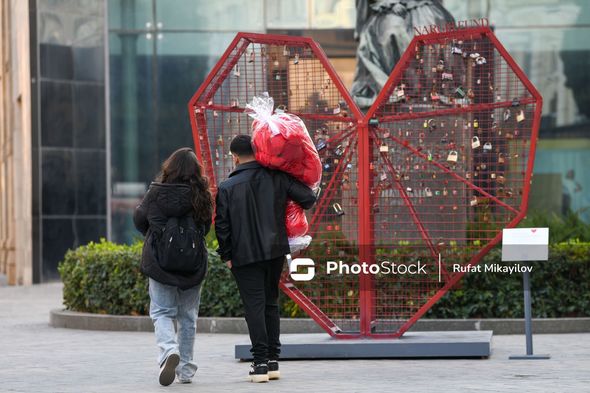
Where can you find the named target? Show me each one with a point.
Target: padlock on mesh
(321, 144)
(338, 209)
(431, 125)
(453, 156)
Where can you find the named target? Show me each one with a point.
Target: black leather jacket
(163, 200)
(250, 213)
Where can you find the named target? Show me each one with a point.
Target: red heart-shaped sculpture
(413, 191)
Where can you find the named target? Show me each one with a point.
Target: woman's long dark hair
(183, 167)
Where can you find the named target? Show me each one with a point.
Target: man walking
(250, 228)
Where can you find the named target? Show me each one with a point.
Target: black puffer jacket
(162, 201)
(250, 213)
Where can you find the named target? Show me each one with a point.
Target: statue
(384, 29)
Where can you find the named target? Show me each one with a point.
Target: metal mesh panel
(297, 75)
(451, 140)
(432, 173)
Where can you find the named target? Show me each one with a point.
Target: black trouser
(259, 288)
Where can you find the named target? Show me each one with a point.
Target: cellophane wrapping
(281, 141)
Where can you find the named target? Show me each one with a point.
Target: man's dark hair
(241, 146)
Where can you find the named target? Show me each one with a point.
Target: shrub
(219, 296)
(562, 228)
(560, 287)
(104, 278)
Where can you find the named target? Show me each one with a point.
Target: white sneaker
(258, 372)
(168, 369)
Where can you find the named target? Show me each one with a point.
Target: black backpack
(180, 247)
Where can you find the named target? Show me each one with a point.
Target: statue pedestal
(459, 344)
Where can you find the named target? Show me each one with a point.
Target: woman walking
(174, 216)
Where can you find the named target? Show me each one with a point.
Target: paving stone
(35, 357)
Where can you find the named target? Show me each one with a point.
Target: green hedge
(560, 287)
(104, 278)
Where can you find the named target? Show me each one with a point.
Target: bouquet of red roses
(281, 141)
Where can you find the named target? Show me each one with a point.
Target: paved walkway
(35, 357)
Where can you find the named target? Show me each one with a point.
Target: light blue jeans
(169, 303)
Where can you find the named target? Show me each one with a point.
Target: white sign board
(525, 244)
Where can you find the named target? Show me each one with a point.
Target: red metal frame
(371, 306)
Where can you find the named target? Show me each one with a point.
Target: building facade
(94, 97)
(15, 145)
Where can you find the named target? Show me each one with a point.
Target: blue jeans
(169, 303)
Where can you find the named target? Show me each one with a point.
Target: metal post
(528, 329)
(364, 204)
(528, 318)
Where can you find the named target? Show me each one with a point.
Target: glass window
(133, 157)
(524, 13)
(530, 13)
(555, 60)
(463, 10)
(331, 14)
(130, 14)
(315, 14)
(287, 14)
(210, 15)
(183, 62)
(197, 44)
(561, 182)
(152, 80)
